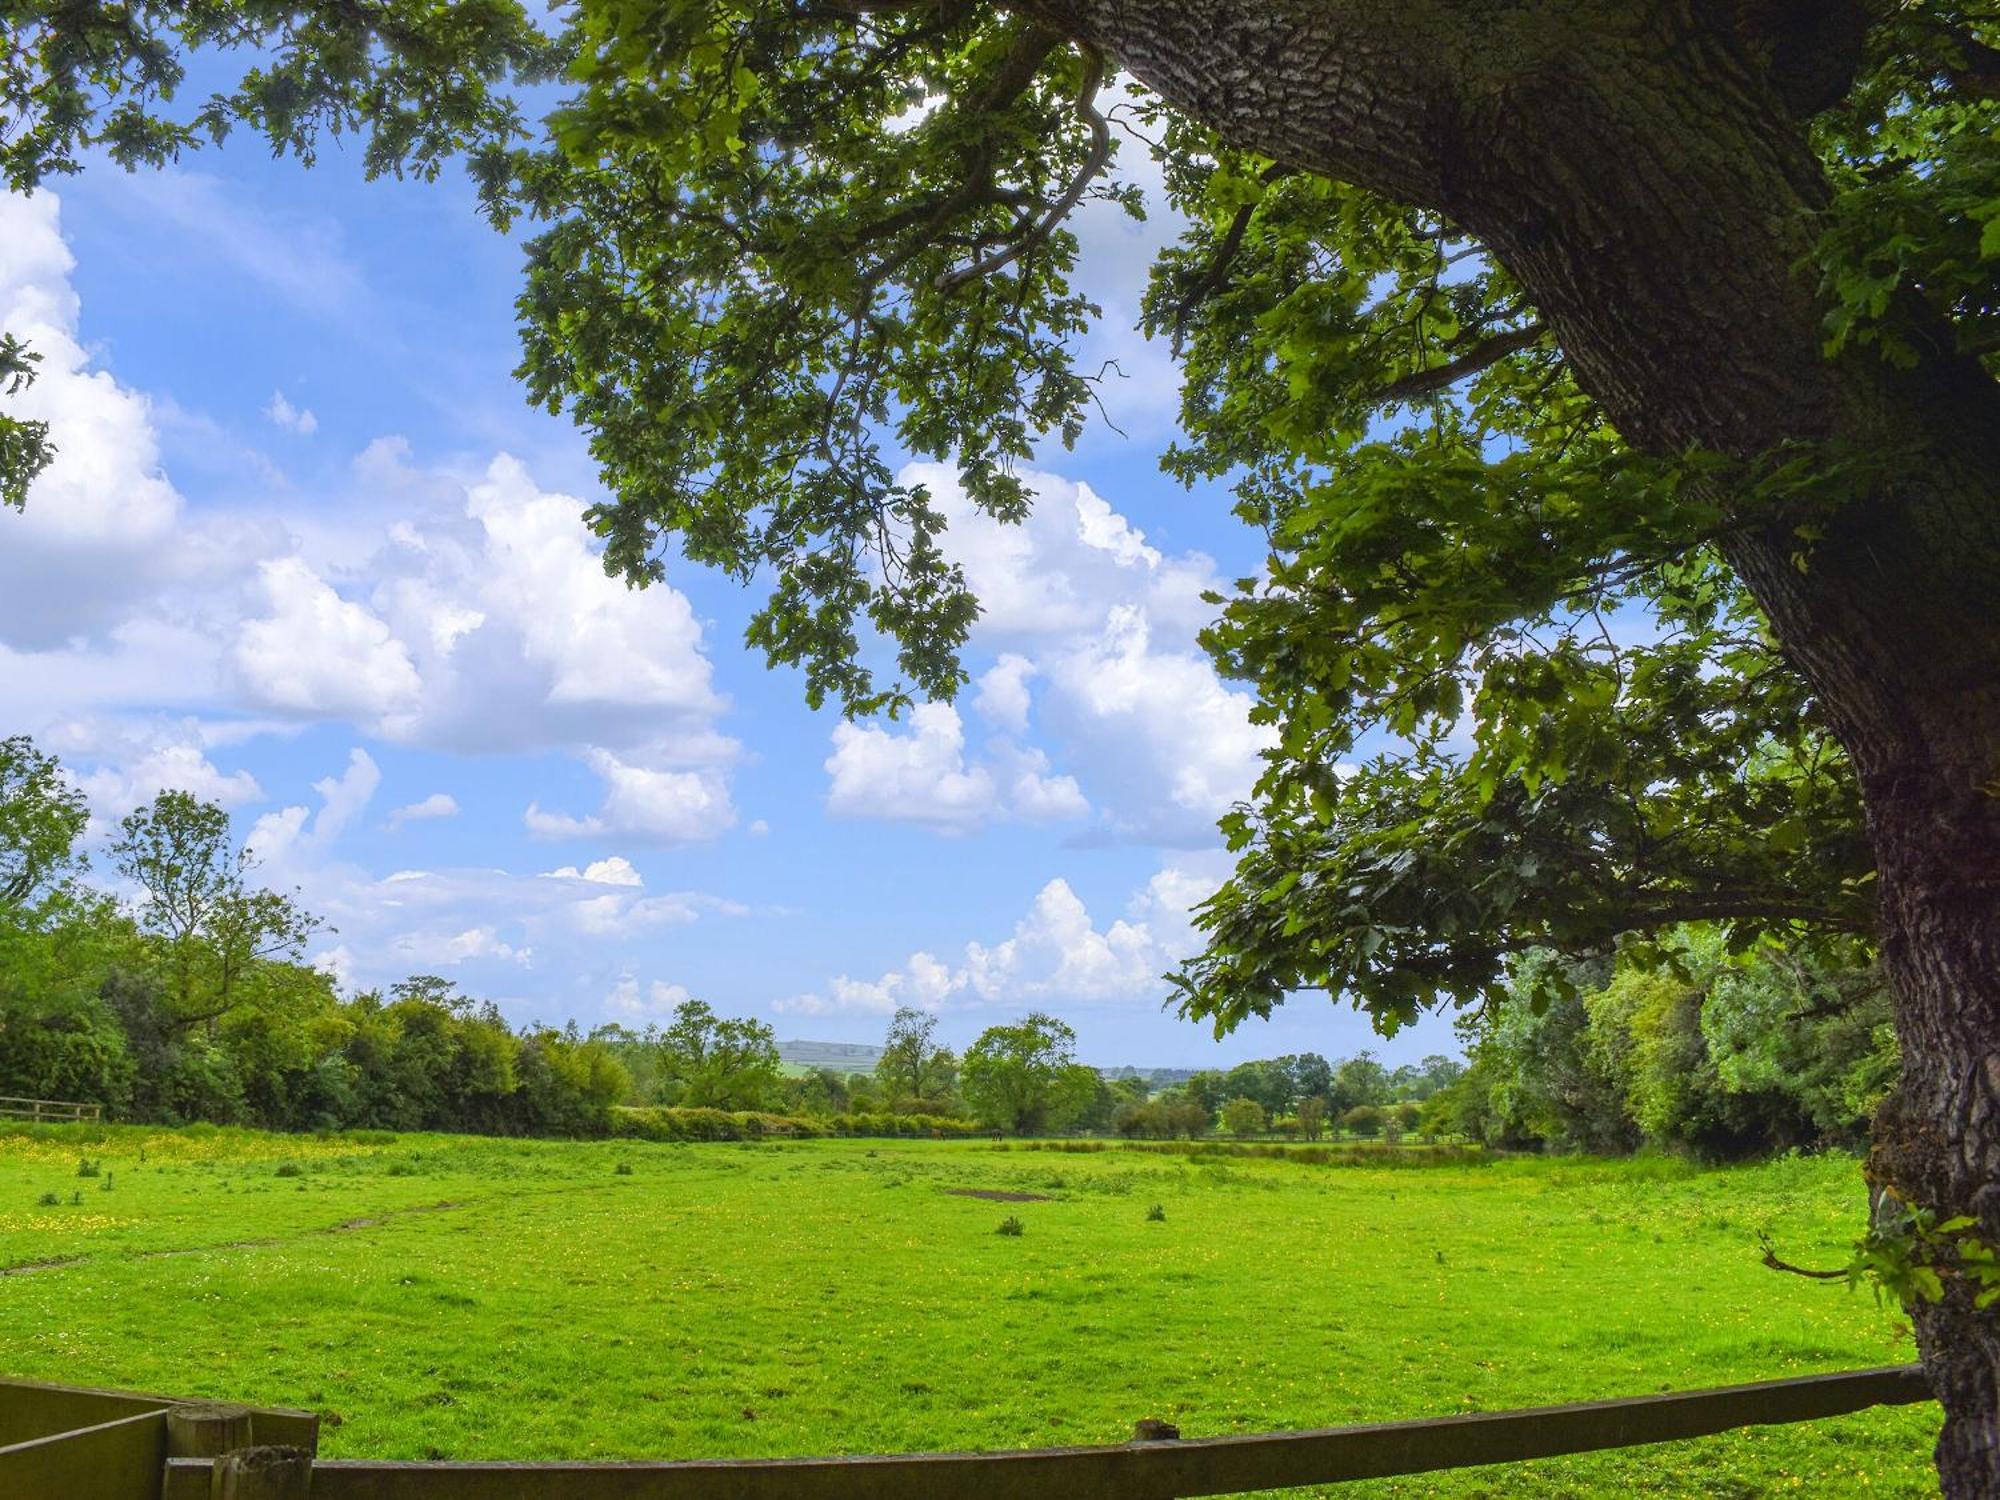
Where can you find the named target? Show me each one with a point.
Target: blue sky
(308, 552)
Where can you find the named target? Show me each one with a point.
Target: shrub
(1363, 1119)
(50, 1200)
(1157, 1214)
(1243, 1117)
(674, 1123)
(1010, 1226)
(85, 1167)
(290, 1169)
(623, 1169)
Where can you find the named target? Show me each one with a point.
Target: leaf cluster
(778, 236)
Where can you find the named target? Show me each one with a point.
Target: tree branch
(1093, 163)
(1771, 1260)
(1225, 255)
(1486, 352)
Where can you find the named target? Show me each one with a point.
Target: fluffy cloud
(1093, 634)
(445, 950)
(427, 809)
(656, 1002)
(425, 608)
(318, 654)
(1057, 953)
(130, 763)
(97, 518)
(1003, 698)
(281, 837)
(922, 776)
(617, 870)
(1176, 735)
(659, 806)
(293, 419)
(1058, 571)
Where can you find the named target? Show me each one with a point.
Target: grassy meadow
(438, 1296)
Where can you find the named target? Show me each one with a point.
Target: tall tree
(718, 1062)
(1683, 315)
(41, 818)
(1025, 1077)
(214, 927)
(913, 1065)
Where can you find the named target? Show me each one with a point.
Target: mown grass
(451, 1297)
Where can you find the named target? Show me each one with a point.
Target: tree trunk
(1645, 174)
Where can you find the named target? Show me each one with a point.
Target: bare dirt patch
(29, 1267)
(993, 1195)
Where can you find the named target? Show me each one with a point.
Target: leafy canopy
(42, 815)
(1520, 701)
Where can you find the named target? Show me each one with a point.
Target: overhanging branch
(1486, 352)
(1093, 163)
(1217, 270)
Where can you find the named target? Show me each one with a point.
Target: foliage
(1682, 1045)
(215, 930)
(1911, 1254)
(659, 1123)
(914, 1067)
(1312, 1116)
(1363, 1120)
(1244, 1117)
(716, 1062)
(41, 814)
(416, 80)
(1025, 1077)
(25, 446)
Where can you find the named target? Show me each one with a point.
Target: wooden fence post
(263, 1474)
(1151, 1430)
(206, 1429)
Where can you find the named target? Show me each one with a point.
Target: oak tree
(1615, 385)
(1024, 1077)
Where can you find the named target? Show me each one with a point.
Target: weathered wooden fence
(53, 1111)
(58, 1443)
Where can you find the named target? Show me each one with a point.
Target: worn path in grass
(440, 1296)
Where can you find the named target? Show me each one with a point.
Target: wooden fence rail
(164, 1452)
(53, 1111)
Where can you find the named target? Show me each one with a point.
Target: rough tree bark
(1644, 172)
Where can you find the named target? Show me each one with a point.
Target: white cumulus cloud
(296, 420)
(1057, 953)
(315, 653)
(921, 775)
(426, 809)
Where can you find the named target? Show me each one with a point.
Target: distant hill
(1154, 1078)
(842, 1057)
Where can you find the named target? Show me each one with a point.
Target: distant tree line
(193, 1002)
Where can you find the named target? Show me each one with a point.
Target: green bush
(1011, 1227)
(1363, 1120)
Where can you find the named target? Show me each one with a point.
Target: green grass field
(451, 1297)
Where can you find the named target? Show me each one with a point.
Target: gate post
(206, 1429)
(263, 1474)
